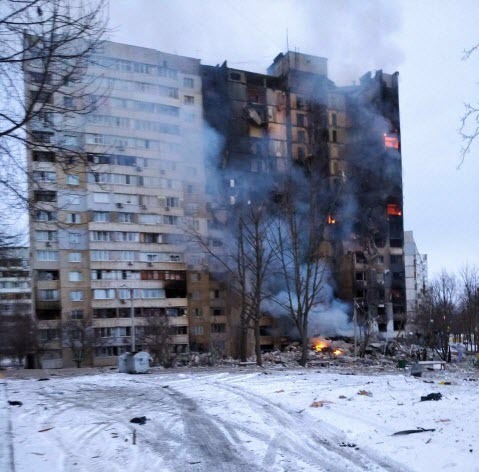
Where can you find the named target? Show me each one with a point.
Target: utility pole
(355, 319)
(132, 315)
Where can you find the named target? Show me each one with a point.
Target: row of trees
(450, 306)
(22, 342)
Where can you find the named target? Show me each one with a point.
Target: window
(46, 235)
(75, 276)
(42, 215)
(72, 199)
(73, 179)
(76, 314)
(396, 259)
(125, 217)
(76, 295)
(127, 255)
(197, 330)
(43, 156)
(334, 120)
(189, 100)
(101, 197)
(47, 335)
(44, 176)
(42, 137)
(197, 312)
(104, 294)
(188, 82)
(195, 277)
(218, 328)
(195, 295)
(48, 295)
(74, 257)
(74, 238)
(100, 255)
(73, 218)
(45, 256)
(153, 293)
(101, 217)
(101, 236)
(334, 137)
(300, 120)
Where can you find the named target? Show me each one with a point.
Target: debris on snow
(139, 420)
(412, 431)
(431, 396)
(14, 403)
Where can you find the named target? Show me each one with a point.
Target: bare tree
(299, 233)
(469, 129)
(48, 45)
(246, 259)
(79, 337)
(469, 306)
(436, 312)
(18, 338)
(157, 339)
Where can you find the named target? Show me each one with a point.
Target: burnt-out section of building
(348, 138)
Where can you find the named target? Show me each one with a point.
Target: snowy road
(241, 421)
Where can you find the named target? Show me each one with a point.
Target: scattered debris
(343, 397)
(428, 381)
(46, 378)
(46, 429)
(320, 403)
(443, 382)
(431, 396)
(139, 420)
(343, 444)
(365, 393)
(14, 403)
(412, 431)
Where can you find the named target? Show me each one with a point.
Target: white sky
(422, 39)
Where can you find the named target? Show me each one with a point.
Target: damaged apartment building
(294, 113)
(170, 144)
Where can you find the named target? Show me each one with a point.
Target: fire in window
(391, 141)
(394, 210)
(331, 220)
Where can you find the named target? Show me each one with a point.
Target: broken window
(391, 141)
(218, 328)
(394, 209)
(334, 136)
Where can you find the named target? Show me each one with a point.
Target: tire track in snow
(294, 422)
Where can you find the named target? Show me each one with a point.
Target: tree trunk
(257, 343)
(304, 349)
(243, 342)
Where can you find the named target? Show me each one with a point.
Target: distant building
(15, 282)
(416, 272)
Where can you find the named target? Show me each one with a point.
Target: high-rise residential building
(351, 137)
(170, 147)
(106, 234)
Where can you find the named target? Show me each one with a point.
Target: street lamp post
(132, 316)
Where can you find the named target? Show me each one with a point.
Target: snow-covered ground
(241, 420)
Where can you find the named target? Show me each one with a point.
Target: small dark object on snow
(15, 403)
(138, 420)
(428, 381)
(42, 380)
(165, 386)
(343, 444)
(416, 370)
(431, 396)
(412, 431)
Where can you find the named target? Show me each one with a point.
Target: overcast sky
(422, 39)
